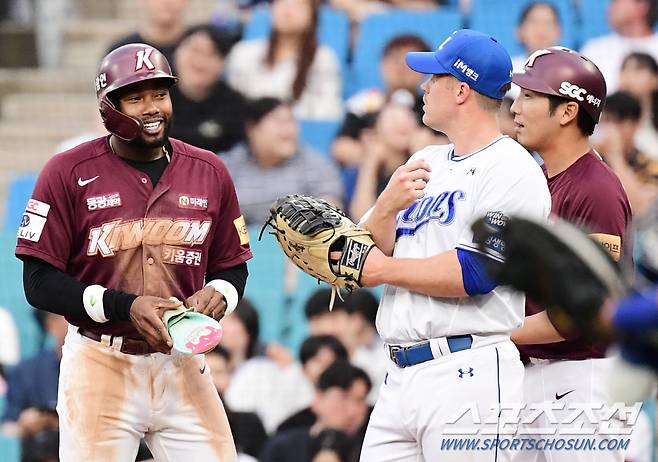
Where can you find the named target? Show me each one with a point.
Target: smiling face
(149, 103)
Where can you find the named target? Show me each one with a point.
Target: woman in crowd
(290, 64)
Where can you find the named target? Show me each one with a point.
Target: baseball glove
(557, 266)
(310, 230)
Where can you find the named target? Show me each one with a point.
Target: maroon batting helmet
(565, 73)
(132, 63)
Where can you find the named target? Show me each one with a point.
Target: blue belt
(421, 352)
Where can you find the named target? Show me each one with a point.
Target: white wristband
(229, 292)
(92, 299)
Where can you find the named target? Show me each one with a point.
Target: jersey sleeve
(604, 213)
(502, 193)
(46, 229)
(230, 244)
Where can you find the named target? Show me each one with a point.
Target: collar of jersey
(455, 158)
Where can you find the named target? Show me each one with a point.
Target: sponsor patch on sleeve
(241, 228)
(37, 207)
(31, 227)
(610, 242)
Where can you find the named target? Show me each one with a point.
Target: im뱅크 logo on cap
(465, 69)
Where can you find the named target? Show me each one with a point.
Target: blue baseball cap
(471, 57)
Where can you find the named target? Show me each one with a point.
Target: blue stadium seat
(593, 19)
(10, 449)
(499, 18)
(12, 296)
(19, 191)
(318, 134)
(265, 285)
(378, 29)
(333, 29)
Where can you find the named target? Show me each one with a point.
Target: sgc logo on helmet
(573, 91)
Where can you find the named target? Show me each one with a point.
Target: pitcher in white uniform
(445, 323)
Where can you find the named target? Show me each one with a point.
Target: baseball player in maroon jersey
(562, 96)
(114, 228)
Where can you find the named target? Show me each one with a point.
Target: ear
(462, 92)
(569, 112)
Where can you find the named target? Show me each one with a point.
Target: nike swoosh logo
(559, 397)
(203, 370)
(82, 182)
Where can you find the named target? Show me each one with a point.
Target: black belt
(129, 346)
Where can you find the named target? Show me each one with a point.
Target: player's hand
(208, 301)
(146, 315)
(407, 185)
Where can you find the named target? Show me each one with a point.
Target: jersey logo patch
(610, 242)
(113, 236)
(465, 372)
(441, 209)
(180, 256)
(241, 228)
(31, 227)
(104, 201)
(82, 182)
(187, 201)
(38, 207)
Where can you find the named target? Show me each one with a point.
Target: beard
(142, 142)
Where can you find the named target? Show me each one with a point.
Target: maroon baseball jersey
(100, 220)
(590, 195)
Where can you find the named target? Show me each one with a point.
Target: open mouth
(153, 128)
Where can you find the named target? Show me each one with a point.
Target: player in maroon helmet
(115, 228)
(562, 96)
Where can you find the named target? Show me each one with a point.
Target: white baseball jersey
(497, 181)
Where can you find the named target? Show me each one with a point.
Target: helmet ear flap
(118, 123)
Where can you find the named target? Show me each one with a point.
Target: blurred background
(303, 96)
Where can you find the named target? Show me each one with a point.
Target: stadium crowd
(250, 99)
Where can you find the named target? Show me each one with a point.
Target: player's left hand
(208, 301)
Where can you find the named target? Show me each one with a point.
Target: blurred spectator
(32, 384)
(272, 163)
(633, 22)
(209, 113)
(330, 446)
(241, 331)
(364, 106)
(539, 27)
(290, 64)
(615, 139)
(337, 322)
(385, 147)
(356, 10)
(339, 404)
(9, 347)
(639, 77)
(248, 431)
(162, 27)
(316, 354)
(258, 383)
(42, 446)
(368, 345)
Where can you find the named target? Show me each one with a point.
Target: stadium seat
(10, 449)
(12, 297)
(318, 134)
(18, 192)
(333, 29)
(378, 29)
(593, 16)
(499, 18)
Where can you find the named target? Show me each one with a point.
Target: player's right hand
(146, 315)
(407, 185)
